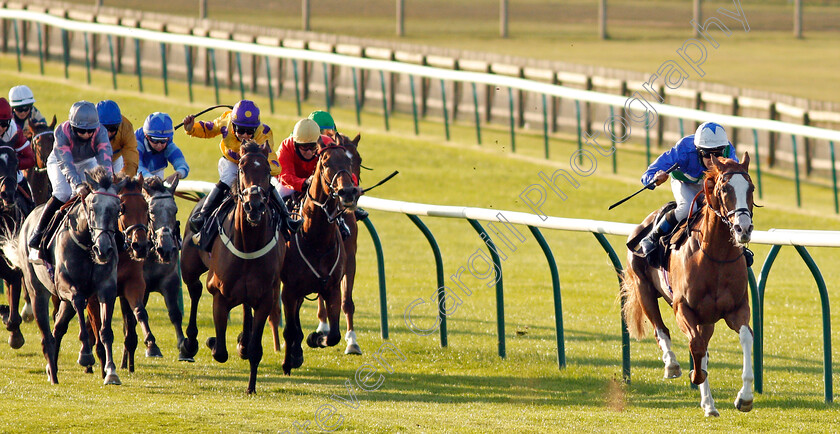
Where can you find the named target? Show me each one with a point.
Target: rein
(725, 219)
(91, 227)
(176, 234)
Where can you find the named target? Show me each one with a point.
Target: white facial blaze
(741, 187)
(5, 158)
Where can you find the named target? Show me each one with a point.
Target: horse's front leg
(107, 299)
(245, 335)
(292, 333)
(255, 348)
(172, 296)
(318, 339)
(738, 322)
(16, 339)
(86, 358)
(41, 311)
(275, 320)
(130, 333)
(349, 307)
(218, 344)
(135, 295)
(94, 323)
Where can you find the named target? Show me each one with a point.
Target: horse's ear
(356, 140)
(139, 178)
(709, 191)
(52, 124)
(745, 161)
(121, 183)
(174, 185)
(265, 149)
(716, 162)
(91, 182)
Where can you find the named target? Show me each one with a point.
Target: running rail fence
(503, 99)
(799, 239)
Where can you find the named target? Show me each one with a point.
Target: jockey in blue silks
(693, 156)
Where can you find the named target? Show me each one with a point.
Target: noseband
(40, 164)
(723, 179)
(332, 192)
(176, 235)
(109, 232)
(127, 231)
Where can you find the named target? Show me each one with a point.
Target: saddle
(670, 241)
(213, 223)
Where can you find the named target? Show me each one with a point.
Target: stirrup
(35, 257)
(196, 222)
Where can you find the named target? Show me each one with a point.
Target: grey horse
(161, 269)
(84, 251)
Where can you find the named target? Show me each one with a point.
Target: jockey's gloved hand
(82, 190)
(189, 121)
(660, 177)
(306, 185)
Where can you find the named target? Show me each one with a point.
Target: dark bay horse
(42, 140)
(244, 263)
(85, 253)
(133, 224)
(13, 210)
(161, 268)
(316, 258)
(708, 281)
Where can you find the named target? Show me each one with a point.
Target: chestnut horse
(42, 140)
(244, 263)
(708, 281)
(133, 225)
(316, 259)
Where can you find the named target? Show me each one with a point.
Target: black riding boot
(289, 226)
(52, 206)
(213, 200)
(665, 225)
(360, 214)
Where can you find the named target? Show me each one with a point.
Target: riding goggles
(81, 131)
(244, 130)
(112, 128)
(708, 153)
(4, 123)
(22, 108)
(307, 146)
(158, 140)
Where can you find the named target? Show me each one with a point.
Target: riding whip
(647, 186)
(205, 111)
(387, 178)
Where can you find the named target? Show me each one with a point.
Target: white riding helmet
(21, 95)
(306, 131)
(710, 135)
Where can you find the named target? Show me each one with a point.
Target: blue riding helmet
(109, 112)
(158, 125)
(83, 115)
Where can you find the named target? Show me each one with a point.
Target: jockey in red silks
(693, 156)
(298, 156)
(80, 144)
(12, 136)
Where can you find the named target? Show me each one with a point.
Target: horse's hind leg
(95, 321)
(647, 298)
(191, 343)
(41, 311)
(218, 344)
(255, 348)
(130, 333)
(171, 295)
(348, 306)
(16, 339)
(738, 322)
(85, 353)
(242, 339)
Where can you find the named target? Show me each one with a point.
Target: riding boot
(360, 214)
(28, 198)
(52, 206)
(213, 200)
(343, 229)
(651, 241)
(288, 225)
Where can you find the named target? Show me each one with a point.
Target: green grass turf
(643, 34)
(465, 387)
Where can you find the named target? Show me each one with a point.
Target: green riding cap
(323, 119)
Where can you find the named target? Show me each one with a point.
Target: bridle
(724, 214)
(11, 179)
(40, 164)
(94, 236)
(332, 191)
(166, 230)
(126, 232)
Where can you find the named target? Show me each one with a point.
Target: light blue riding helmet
(83, 115)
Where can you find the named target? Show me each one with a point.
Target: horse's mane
(131, 184)
(250, 147)
(102, 176)
(714, 172)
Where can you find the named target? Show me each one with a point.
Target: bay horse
(243, 265)
(42, 139)
(161, 268)
(84, 252)
(133, 226)
(316, 257)
(13, 210)
(708, 281)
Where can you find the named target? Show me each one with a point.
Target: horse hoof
(153, 350)
(210, 342)
(183, 356)
(86, 359)
(743, 405)
(89, 370)
(27, 315)
(297, 362)
(314, 340)
(16, 339)
(353, 349)
(243, 352)
(190, 348)
(698, 378)
(112, 379)
(286, 369)
(712, 413)
(672, 372)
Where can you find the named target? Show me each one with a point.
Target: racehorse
(133, 224)
(316, 259)
(85, 253)
(707, 277)
(244, 262)
(14, 209)
(42, 139)
(161, 268)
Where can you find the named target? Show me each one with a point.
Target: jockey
(693, 156)
(298, 156)
(22, 100)
(157, 150)
(121, 135)
(327, 125)
(235, 126)
(12, 136)
(80, 144)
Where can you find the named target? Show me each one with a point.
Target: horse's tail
(634, 316)
(9, 247)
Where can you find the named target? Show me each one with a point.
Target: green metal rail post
(758, 340)
(137, 65)
(625, 336)
(512, 122)
(326, 87)
(65, 48)
(40, 50)
(384, 99)
(380, 266)
(356, 97)
(87, 57)
(163, 69)
(414, 105)
(612, 140)
(439, 273)
(268, 79)
(212, 53)
(826, 317)
(17, 45)
(757, 163)
(241, 79)
(445, 112)
(477, 118)
(545, 126)
(796, 172)
(500, 295)
(558, 302)
(834, 177)
(114, 64)
(579, 132)
(297, 86)
(188, 55)
(647, 139)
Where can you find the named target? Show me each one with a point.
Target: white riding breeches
(228, 171)
(684, 193)
(61, 188)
